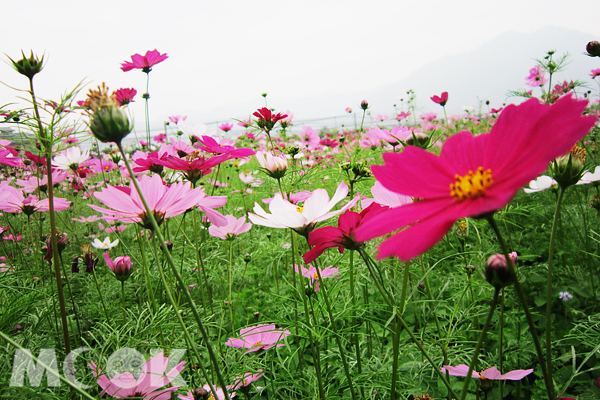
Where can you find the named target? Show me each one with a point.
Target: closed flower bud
(568, 169)
(497, 272)
(593, 49)
(274, 166)
(121, 266)
(110, 124)
(364, 105)
(200, 394)
(247, 258)
(28, 66)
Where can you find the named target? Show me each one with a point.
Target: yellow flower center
(472, 184)
(316, 276)
(300, 209)
(257, 344)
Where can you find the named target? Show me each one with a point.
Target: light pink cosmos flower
(490, 373)
(385, 197)
(12, 200)
(311, 274)
(125, 204)
(274, 166)
(145, 62)
(147, 386)
(309, 137)
(536, 77)
(595, 73)
(261, 336)
(245, 380)
(232, 229)
(32, 182)
(226, 126)
(176, 118)
(303, 219)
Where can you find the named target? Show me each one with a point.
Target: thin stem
(187, 294)
(549, 299)
(486, 326)
(523, 300)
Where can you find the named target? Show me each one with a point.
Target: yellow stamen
(471, 185)
(300, 209)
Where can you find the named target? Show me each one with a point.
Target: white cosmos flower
(590, 177)
(105, 245)
(302, 219)
(70, 159)
(542, 183)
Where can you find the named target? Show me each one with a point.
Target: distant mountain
(487, 73)
(471, 78)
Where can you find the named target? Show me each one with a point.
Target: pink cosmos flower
(261, 336)
(537, 77)
(166, 202)
(12, 200)
(206, 388)
(125, 96)
(441, 100)
(177, 118)
(226, 127)
(311, 274)
(402, 115)
(381, 118)
(245, 380)
(341, 236)
(194, 167)
(274, 166)
(245, 123)
(147, 386)
(595, 73)
(473, 175)
(348, 110)
(490, 373)
(303, 219)
(160, 138)
(31, 183)
(145, 62)
(210, 145)
(309, 137)
(232, 229)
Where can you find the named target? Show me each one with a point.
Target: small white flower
(70, 159)
(105, 245)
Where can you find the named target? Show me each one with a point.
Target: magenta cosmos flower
(145, 62)
(261, 336)
(147, 386)
(165, 201)
(473, 175)
(490, 373)
(441, 100)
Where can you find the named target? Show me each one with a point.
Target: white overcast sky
(228, 52)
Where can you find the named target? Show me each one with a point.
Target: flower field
(419, 255)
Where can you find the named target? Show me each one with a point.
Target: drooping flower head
(473, 175)
(145, 62)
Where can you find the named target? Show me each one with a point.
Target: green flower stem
(200, 264)
(523, 300)
(100, 294)
(486, 326)
(187, 294)
(436, 369)
(146, 112)
(354, 333)
(549, 298)
(147, 277)
(323, 289)
(123, 297)
(47, 145)
(316, 354)
(500, 340)
(396, 338)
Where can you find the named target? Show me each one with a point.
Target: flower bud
(418, 139)
(364, 105)
(200, 394)
(497, 272)
(593, 49)
(121, 266)
(274, 166)
(247, 258)
(568, 169)
(110, 124)
(470, 269)
(28, 66)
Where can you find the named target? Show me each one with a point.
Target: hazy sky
(229, 52)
